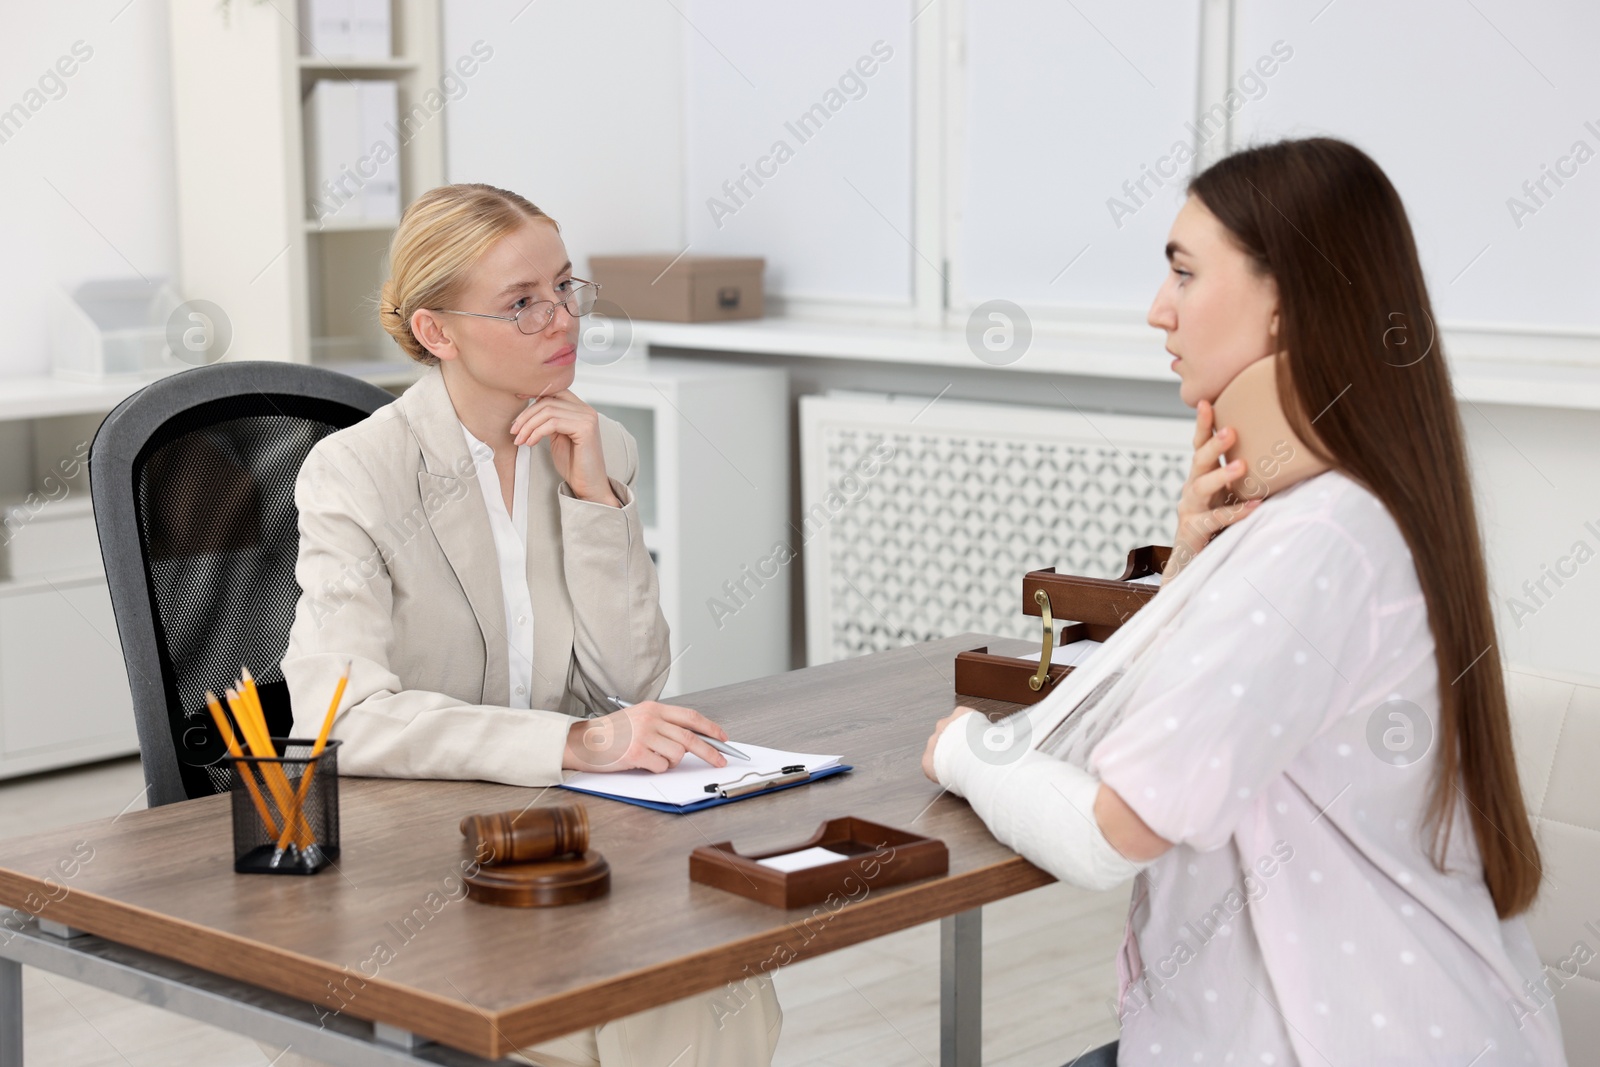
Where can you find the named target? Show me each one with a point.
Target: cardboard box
(693, 289)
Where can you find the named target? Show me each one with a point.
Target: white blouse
(1284, 739)
(510, 532)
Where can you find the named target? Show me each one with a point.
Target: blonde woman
(475, 553)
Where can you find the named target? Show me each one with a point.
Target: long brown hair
(1360, 346)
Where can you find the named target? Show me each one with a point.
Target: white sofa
(1555, 721)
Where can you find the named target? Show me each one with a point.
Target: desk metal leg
(10, 1013)
(336, 1039)
(961, 989)
(385, 1034)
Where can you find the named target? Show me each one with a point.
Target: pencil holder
(286, 810)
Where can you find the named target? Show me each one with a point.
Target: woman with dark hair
(1301, 746)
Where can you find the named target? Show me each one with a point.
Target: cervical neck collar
(1275, 458)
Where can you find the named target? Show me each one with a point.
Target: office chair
(192, 480)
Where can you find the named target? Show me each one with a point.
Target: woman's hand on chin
(650, 736)
(1202, 507)
(573, 428)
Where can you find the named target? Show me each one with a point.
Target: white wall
(1460, 103)
(86, 182)
(580, 110)
(1539, 497)
(662, 115)
(1058, 120)
(798, 146)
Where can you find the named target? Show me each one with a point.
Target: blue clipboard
(711, 802)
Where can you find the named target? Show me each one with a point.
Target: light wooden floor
(1049, 976)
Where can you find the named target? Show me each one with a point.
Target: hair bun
(397, 324)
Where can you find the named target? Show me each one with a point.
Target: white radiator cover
(920, 516)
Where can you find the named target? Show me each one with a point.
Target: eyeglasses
(536, 316)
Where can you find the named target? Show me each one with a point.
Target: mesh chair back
(192, 480)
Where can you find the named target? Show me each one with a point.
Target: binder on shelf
(370, 29)
(380, 114)
(332, 130)
(352, 161)
(1097, 608)
(346, 29)
(325, 27)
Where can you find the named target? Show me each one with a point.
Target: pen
(721, 746)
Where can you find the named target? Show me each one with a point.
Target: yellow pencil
(252, 696)
(304, 835)
(333, 708)
(254, 727)
(221, 719)
(316, 750)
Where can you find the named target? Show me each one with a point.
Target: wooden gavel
(528, 835)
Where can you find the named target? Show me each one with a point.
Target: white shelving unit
(292, 288)
(713, 492)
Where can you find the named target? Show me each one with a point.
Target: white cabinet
(63, 689)
(713, 493)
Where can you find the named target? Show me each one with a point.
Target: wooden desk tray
(1098, 607)
(879, 857)
(1100, 601)
(981, 673)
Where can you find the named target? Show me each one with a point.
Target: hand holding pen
(720, 744)
(648, 736)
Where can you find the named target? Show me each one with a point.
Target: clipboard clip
(739, 786)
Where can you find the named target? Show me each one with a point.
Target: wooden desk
(486, 980)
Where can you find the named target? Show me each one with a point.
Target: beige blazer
(398, 574)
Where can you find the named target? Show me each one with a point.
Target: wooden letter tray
(1099, 606)
(1101, 601)
(878, 857)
